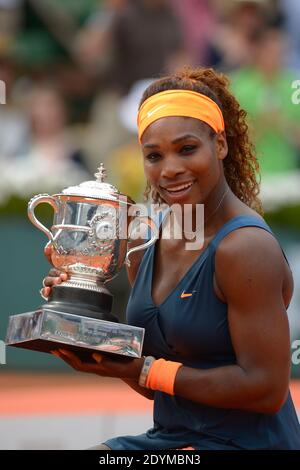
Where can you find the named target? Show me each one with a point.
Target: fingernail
(98, 357)
(63, 351)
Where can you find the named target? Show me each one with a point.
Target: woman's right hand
(55, 276)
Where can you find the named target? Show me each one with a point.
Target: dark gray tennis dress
(194, 330)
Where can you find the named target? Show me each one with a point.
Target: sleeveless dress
(194, 330)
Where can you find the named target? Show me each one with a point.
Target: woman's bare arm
(250, 273)
(147, 393)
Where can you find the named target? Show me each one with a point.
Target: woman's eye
(152, 157)
(187, 148)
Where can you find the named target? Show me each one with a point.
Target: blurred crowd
(74, 72)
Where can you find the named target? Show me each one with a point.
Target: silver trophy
(91, 228)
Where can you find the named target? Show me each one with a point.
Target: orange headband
(179, 103)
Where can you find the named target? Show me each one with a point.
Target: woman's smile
(177, 191)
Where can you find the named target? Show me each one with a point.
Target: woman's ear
(221, 145)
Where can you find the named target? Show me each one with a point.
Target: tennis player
(217, 348)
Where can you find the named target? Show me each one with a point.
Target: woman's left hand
(123, 368)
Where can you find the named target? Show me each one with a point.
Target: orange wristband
(162, 375)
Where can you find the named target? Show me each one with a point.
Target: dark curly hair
(241, 167)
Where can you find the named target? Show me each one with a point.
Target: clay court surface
(33, 394)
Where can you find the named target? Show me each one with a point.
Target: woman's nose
(171, 169)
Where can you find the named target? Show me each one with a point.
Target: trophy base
(46, 330)
(83, 302)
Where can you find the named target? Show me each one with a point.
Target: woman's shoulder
(247, 234)
(250, 252)
(250, 240)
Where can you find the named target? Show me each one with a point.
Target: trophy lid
(95, 189)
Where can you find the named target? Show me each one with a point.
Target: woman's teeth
(179, 188)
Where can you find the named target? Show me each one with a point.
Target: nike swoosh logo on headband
(149, 114)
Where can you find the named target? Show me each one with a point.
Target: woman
(215, 318)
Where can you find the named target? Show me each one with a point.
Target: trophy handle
(155, 234)
(35, 201)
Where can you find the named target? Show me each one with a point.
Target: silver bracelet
(145, 370)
